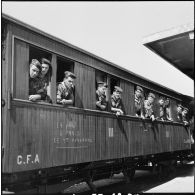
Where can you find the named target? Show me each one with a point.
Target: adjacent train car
(47, 145)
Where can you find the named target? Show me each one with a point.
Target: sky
(113, 31)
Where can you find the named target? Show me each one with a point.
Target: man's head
(102, 87)
(179, 108)
(161, 101)
(117, 92)
(185, 111)
(139, 91)
(151, 97)
(35, 68)
(46, 65)
(69, 79)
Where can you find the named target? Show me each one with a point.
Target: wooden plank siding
(85, 91)
(21, 69)
(128, 97)
(60, 137)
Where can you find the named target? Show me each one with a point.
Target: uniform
(101, 97)
(148, 107)
(64, 93)
(179, 114)
(117, 103)
(35, 84)
(139, 103)
(163, 112)
(44, 83)
(36, 87)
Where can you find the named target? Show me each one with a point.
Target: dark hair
(36, 63)
(46, 61)
(69, 74)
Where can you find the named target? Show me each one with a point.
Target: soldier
(101, 102)
(36, 90)
(65, 89)
(116, 103)
(179, 113)
(185, 116)
(46, 71)
(167, 109)
(162, 109)
(148, 104)
(139, 102)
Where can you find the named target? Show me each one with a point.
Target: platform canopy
(175, 45)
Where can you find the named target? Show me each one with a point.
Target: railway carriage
(47, 145)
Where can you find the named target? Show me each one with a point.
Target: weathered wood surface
(41, 137)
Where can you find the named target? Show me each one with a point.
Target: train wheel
(129, 174)
(162, 172)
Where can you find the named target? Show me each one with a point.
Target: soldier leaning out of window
(45, 75)
(101, 102)
(162, 109)
(179, 113)
(116, 101)
(139, 102)
(185, 116)
(36, 90)
(148, 107)
(167, 109)
(65, 91)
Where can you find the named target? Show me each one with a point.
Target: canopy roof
(175, 45)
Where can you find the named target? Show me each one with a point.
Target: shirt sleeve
(59, 93)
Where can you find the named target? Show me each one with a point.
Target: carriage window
(101, 91)
(66, 90)
(40, 87)
(114, 81)
(36, 53)
(62, 66)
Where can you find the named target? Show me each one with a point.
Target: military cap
(69, 74)
(179, 105)
(36, 63)
(161, 98)
(184, 108)
(101, 83)
(118, 89)
(45, 61)
(151, 95)
(139, 88)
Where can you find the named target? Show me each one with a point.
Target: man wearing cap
(101, 102)
(65, 89)
(36, 90)
(179, 113)
(45, 76)
(167, 109)
(148, 105)
(185, 116)
(139, 102)
(116, 102)
(162, 109)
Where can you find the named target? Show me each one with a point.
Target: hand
(153, 118)
(34, 97)
(142, 116)
(102, 107)
(63, 101)
(118, 113)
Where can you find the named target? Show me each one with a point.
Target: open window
(37, 53)
(114, 81)
(63, 65)
(100, 76)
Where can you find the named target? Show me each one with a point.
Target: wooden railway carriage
(45, 143)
